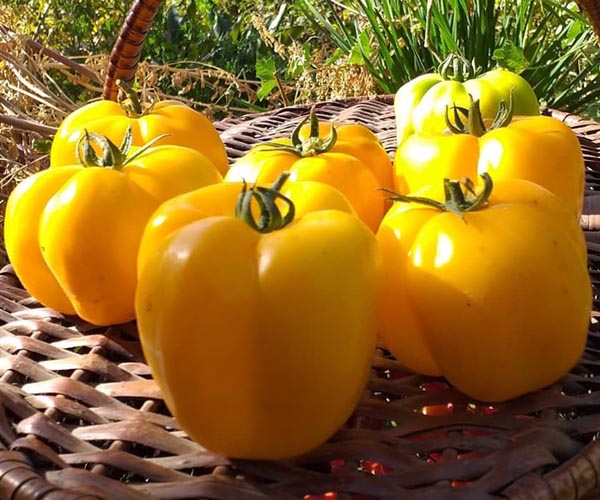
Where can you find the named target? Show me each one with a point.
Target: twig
(57, 56)
(31, 81)
(281, 89)
(28, 125)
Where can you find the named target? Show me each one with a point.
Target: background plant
(216, 40)
(254, 55)
(549, 42)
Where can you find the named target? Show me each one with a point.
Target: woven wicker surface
(81, 417)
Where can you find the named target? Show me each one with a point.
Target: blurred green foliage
(548, 41)
(272, 42)
(219, 31)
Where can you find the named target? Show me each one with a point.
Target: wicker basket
(81, 417)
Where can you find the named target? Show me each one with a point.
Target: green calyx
(313, 144)
(457, 68)
(111, 155)
(130, 101)
(460, 196)
(470, 121)
(270, 216)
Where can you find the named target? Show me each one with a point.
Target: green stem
(311, 146)
(280, 181)
(456, 67)
(479, 201)
(475, 124)
(456, 199)
(130, 102)
(111, 155)
(415, 199)
(270, 217)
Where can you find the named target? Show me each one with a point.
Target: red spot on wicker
(436, 385)
(460, 484)
(323, 496)
(336, 464)
(490, 410)
(374, 468)
(437, 410)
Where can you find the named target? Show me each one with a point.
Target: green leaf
(574, 32)
(511, 57)
(355, 56)
(361, 50)
(335, 56)
(42, 145)
(265, 71)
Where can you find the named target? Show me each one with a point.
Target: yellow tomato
(274, 332)
(357, 140)
(182, 125)
(497, 300)
(539, 149)
(72, 233)
(219, 199)
(420, 104)
(317, 158)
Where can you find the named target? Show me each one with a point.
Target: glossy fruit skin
(539, 149)
(93, 274)
(345, 172)
(498, 302)
(420, 104)
(307, 196)
(183, 125)
(359, 141)
(272, 331)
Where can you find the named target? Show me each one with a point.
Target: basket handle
(591, 8)
(125, 55)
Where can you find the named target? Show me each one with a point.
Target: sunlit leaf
(511, 57)
(265, 71)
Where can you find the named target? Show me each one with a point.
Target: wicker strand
(127, 50)
(19, 480)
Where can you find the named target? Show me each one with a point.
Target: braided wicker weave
(82, 419)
